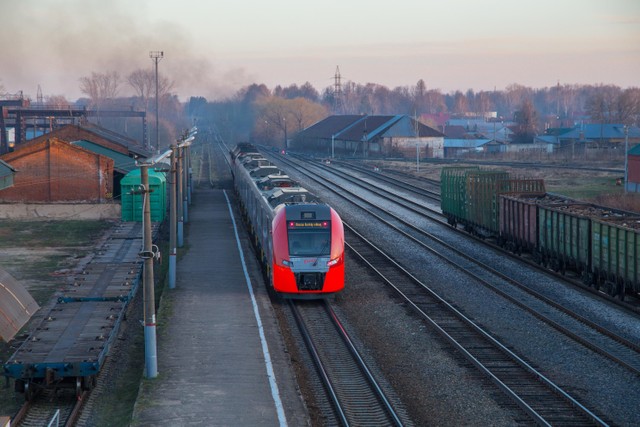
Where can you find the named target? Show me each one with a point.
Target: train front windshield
(309, 238)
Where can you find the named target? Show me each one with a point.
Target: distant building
(371, 136)
(474, 128)
(458, 147)
(599, 135)
(52, 170)
(633, 164)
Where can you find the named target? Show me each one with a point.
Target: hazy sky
(214, 47)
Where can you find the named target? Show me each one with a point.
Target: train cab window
(309, 238)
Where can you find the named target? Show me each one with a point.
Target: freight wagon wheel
(89, 382)
(78, 387)
(28, 391)
(619, 290)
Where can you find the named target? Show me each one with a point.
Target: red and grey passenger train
(299, 239)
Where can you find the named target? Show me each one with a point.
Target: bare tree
(603, 103)
(527, 119)
(57, 101)
(516, 94)
(100, 86)
(420, 100)
(460, 104)
(143, 82)
(286, 116)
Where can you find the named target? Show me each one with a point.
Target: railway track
(356, 397)
(414, 184)
(606, 343)
(545, 402)
(579, 328)
(50, 407)
(425, 207)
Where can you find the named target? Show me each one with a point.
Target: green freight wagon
(132, 202)
(564, 233)
(482, 199)
(470, 196)
(615, 248)
(453, 193)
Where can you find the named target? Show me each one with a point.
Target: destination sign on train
(308, 224)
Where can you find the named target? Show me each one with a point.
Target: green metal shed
(132, 203)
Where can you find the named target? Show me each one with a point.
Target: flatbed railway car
(299, 240)
(69, 345)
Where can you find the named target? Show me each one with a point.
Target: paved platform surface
(213, 368)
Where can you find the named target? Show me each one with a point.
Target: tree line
(257, 113)
(265, 115)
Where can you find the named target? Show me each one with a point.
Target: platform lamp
(149, 253)
(156, 56)
(181, 187)
(192, 132)
(186, 179)
(173, 202)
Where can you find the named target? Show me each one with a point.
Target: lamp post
(156, 56)
(148, 254)
(286, 143)
(175, 154)
(181, 185)
(179, 204)
(332, 146)
(173, 252)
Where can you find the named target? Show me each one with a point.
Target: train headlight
(287, 263)
(332, 262)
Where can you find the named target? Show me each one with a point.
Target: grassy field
(40, 255)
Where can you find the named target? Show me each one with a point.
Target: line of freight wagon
(600, 244)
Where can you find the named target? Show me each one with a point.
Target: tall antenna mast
(39, 96)
(338, 106)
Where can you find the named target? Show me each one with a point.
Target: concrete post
(179, 203)
(172, 221)
(151, 358)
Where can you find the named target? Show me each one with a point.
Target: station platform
(221, 359)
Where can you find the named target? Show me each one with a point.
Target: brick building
(52, 170)
(633, 166)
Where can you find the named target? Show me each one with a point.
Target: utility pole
(286, 143)
(185, 184)
(172, 221)
(333, 149)
(156, 56)
(189, 176)
(182, 198)
(148, 254)
(179, 203)
(151, 356)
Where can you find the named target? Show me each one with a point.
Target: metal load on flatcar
(598, 243)
(299, 239)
